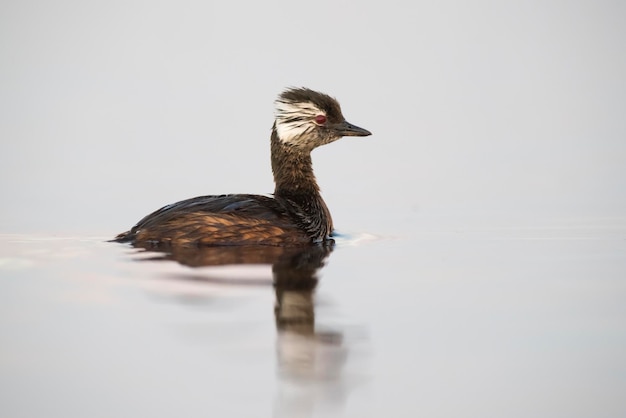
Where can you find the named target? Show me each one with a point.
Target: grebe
(296, 215)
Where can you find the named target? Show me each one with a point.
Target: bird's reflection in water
(310, 361)
(295, 279)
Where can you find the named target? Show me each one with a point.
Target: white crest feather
(294, 119)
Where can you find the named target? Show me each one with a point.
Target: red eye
(320, 119)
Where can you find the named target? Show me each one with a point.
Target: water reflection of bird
(295, 276)
(306, 355)
(295, 215)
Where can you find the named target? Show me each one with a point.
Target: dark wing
(218, 220)
(246, 205)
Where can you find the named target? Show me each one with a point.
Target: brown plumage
(296, 215)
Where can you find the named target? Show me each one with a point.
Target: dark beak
(347, 129)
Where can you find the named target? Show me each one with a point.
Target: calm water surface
(448, 321)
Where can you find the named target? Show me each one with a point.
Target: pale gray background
(111, 109)
(483, 270)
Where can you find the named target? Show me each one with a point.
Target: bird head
(306, 119)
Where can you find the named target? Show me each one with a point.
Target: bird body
(295, 215)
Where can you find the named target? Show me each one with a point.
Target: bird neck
(297, 190)
(293, 170)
